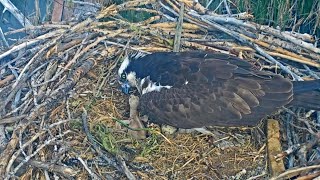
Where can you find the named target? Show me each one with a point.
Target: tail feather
(305, 86)
(308, 100)
(306, 94)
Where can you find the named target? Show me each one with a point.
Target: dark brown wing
(219, 92)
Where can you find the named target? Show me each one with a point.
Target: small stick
(177, 38)
(12, 119)
(3, 139)
(209, 3)
(294, 172)
(92, 174)
(96, 5)
(3, 38)
(274, 147)
(43, 26)
(227, 7)
(38, 12)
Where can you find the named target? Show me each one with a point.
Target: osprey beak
(125, 87)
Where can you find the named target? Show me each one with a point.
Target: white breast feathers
(153, 87)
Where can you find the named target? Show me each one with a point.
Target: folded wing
(221, 90)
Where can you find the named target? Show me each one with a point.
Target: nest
(61, 104)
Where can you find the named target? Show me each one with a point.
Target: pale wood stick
(8, 5)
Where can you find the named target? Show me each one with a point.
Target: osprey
(201, 89)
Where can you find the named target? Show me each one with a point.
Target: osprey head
(126, 79)
(129, 72)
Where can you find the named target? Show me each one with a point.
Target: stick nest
(62, 111)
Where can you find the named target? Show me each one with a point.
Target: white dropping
(123, 65)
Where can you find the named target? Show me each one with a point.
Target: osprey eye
(123, 76)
